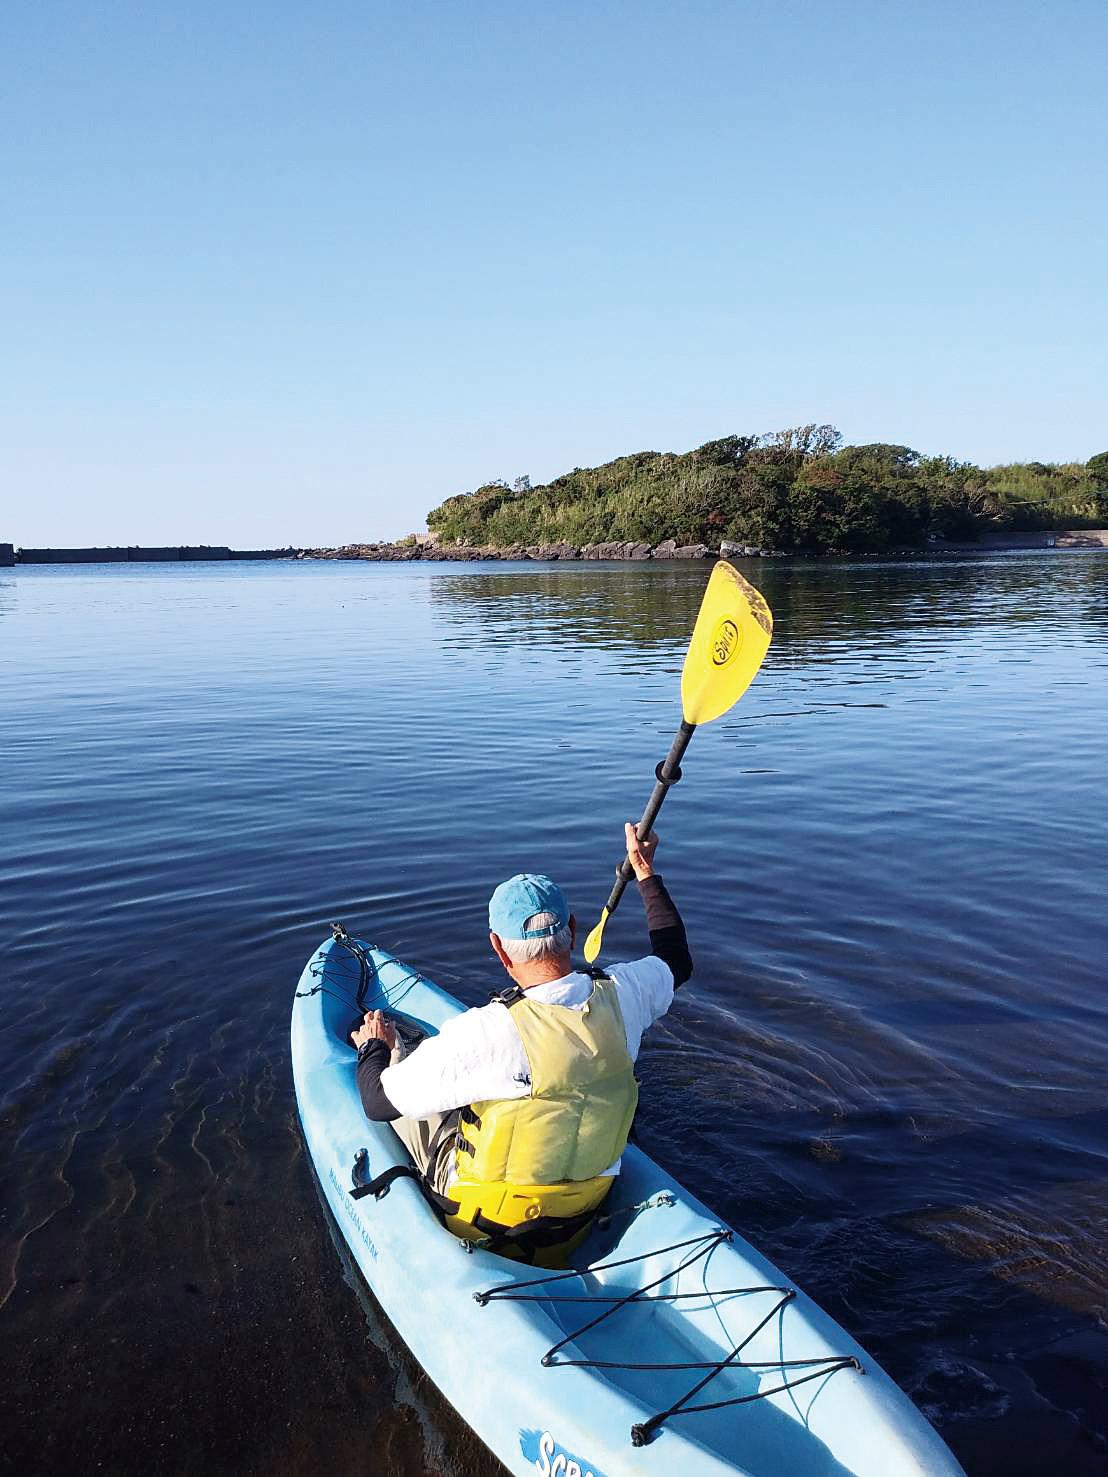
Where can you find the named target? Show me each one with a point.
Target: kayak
(669, 1344)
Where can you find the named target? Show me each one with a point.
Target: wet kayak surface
(888, 1070)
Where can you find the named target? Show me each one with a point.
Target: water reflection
(612, 606)
(818, 602)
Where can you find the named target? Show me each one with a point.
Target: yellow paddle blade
(595, 939)
(729, 641)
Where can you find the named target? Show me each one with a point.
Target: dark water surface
(890, 1070)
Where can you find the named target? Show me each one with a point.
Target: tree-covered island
(793, 490)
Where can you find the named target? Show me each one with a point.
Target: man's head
(531, 928)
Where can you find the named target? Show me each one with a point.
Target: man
(516, 1113)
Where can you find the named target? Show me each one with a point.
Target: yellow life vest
(539, 1160)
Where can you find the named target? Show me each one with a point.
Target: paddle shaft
(668, 773)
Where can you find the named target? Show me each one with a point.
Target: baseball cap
(520, 898)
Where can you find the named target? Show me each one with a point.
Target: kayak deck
(669, 1341)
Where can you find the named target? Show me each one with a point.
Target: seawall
(171, 554)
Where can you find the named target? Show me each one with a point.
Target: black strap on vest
(440, 1139)
(524, 1240)
(531, 1236)
(513, 995)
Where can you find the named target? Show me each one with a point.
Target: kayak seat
(511, 1225)
(541, 1241)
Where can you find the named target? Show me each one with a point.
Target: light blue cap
(520, 898)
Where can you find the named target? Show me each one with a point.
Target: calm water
(890, 1069)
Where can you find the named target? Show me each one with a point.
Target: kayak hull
(486, 1353)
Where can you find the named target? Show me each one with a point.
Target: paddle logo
(725, 642)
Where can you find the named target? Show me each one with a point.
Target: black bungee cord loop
(352, 946)
(340, 936)
(366, 968)
(701, 1246)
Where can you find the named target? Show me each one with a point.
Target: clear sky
(294, 272)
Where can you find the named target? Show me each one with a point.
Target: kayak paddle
(729, 641)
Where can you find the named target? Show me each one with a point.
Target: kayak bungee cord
(319, 974)
(512, 1292)
(352, 946)
(319, 967)
(643, 1431)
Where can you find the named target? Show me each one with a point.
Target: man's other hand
(374, 1028)
(640, 853)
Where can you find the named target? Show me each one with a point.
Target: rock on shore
(428, 549)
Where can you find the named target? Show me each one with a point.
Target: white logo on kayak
(561, 1465)
(348, 1207)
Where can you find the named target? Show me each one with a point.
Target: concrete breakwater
(170, 554)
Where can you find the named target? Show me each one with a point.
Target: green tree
(797, 488)
(1097, 470)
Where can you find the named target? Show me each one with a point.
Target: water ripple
(889, 1070)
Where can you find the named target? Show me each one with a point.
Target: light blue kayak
(670, 1347)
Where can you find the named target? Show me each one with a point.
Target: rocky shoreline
(428, 548)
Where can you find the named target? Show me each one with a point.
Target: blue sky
(295, 272)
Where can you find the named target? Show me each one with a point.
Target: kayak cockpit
(350, 979)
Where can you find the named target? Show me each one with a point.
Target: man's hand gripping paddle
(729, 641)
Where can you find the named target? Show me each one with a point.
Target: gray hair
(526, 951)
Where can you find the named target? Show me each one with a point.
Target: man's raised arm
(667, 932)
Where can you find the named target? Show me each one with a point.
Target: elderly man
(517, 1112)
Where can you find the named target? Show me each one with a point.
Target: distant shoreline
(416, 549)
(428, 550)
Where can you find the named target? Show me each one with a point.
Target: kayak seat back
(524, 1222)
